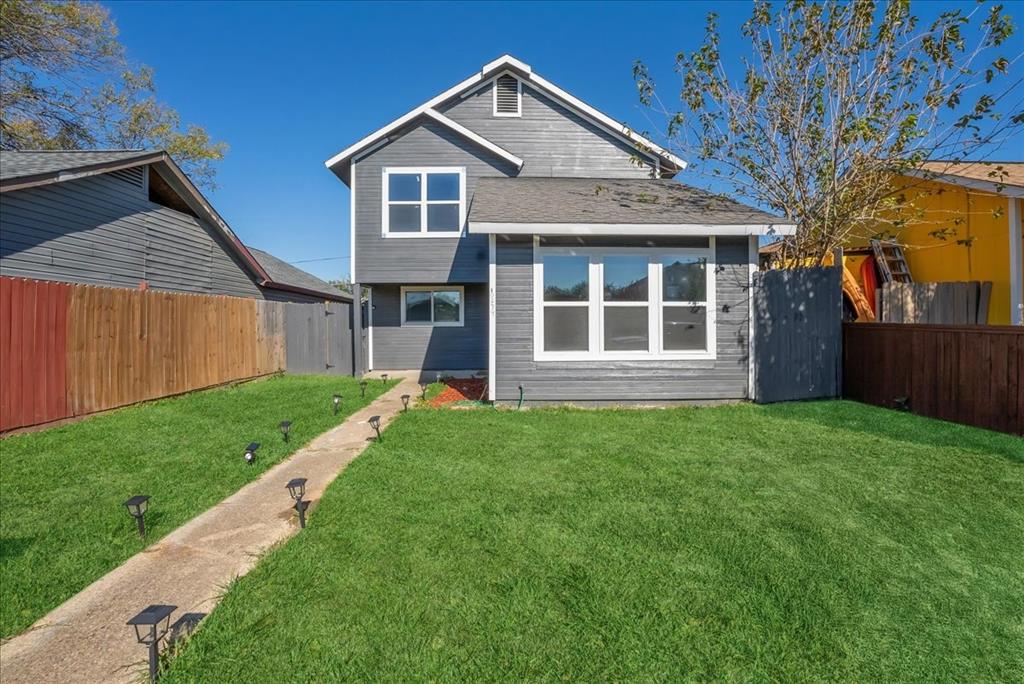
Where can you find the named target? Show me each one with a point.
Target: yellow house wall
(933, 260)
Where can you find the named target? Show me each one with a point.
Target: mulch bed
(460, 389)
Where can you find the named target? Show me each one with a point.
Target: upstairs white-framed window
(433, 305)
(425, 201)
(603, 303)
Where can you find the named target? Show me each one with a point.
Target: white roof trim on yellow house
(994, 187)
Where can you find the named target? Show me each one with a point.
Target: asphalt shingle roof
(283, 273)
(19, 164)
(607, 200)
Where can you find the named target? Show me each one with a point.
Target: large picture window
(433, 306)
(423, 202)
(622, 303)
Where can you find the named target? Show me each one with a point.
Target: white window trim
(519, 96)
(596, 303)
(435, 288)
(423, 202)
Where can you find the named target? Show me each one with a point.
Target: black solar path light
(384, 378)
(423, 391)
(137, 506)
(286, 427)
(250, 452)
(150, 627)
(405, 403)
(336, 399)
(362, 389)
(297, 488)
(375, 424)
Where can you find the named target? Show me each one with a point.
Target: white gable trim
(478, 139)
(490, 227)
(484, 75)
(993, 186)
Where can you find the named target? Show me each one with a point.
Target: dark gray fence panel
(339, 338)
(798, 334)
(318, 338)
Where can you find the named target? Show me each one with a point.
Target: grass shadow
(899, 426)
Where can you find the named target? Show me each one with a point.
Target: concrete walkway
(86, 639)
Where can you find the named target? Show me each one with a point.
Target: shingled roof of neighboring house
(24, 164)
(980, 174)
(595, 201)
(285, 276)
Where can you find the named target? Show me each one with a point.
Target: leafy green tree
(65, 84)
(833, 99)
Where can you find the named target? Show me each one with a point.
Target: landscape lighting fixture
(384, 378)
(250, 452)
(297, 488)
(286, 427)
(423, 391)
(137, 506)
(405, 403)
(336, 401)
(375, 424)
(151, 624)
(362, 389)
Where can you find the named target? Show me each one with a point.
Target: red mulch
(460, 389)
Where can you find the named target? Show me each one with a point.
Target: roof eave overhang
(339, 163)
(272, 285)
(627, 229)
(993, 187)
(84, 171)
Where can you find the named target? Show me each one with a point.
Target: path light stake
(362, 389)
(297, 488)
(337, 402)
(375, 424)
(286, 427)
(250, 452)
(137, 506)
(150, 627)
(405, 403)
(423, 391)
(384, 378)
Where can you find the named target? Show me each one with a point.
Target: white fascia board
(503, 62)
(478, 139)
(484, 74)
(971, 183)
(606, 120)
(402, 120)
(679, 229)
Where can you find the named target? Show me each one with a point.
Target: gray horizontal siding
(550, 138)
(665, 380)
(429, 348)
(429, 259)
(102, 230)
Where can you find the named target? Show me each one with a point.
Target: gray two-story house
(506, 227)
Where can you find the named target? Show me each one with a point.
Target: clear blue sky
(289, 85)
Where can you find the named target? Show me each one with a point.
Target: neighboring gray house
(124, 218)
(506, 227)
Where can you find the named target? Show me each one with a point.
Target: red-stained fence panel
(33, 356)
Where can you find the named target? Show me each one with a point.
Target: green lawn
(63, 525)
(812, 541)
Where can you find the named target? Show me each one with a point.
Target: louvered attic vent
(507, 96)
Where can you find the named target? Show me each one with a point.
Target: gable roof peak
(505, 61)
(341, 163)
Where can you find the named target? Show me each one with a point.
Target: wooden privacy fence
(70, 350)
(967, 374)
(963, 303)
